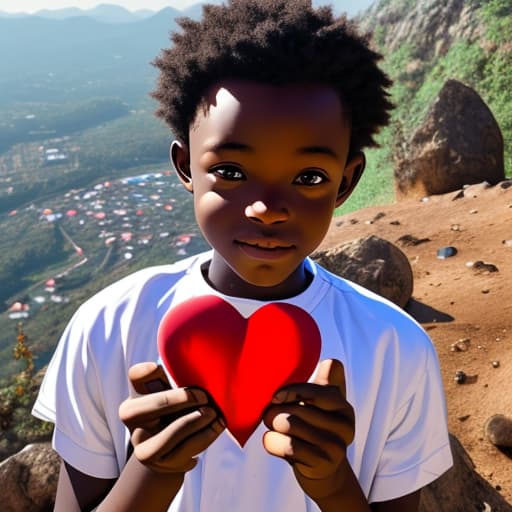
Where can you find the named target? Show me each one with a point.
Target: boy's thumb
(147, 377)
(331, 373)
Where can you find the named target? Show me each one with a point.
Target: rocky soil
(464, 302)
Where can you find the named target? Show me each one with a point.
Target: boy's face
(267, 166)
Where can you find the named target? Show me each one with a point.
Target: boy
(271, 103)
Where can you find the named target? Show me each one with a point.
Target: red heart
(205, 342)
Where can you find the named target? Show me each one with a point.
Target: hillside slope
(454, 301)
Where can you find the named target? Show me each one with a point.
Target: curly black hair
(277, 42)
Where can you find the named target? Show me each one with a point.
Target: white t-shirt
(391, 369)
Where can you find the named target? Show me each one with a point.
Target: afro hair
(276, 42)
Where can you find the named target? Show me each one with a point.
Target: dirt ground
(456, 301)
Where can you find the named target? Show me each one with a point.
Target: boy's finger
(327, 391)
(146, 409)
(148, 377)
(331, 372)
(326, 397)
(162, 444)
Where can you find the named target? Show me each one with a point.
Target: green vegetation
(35, 121)
(485, 65)
(27, 247)
(17, 395)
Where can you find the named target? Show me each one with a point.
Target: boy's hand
(169, 427)
(311, 425)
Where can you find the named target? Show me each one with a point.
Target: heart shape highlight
(205, 342)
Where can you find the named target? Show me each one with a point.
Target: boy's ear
(351, 175)
(180, 158)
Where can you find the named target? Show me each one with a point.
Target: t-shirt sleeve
(417, 450)
(70, 397)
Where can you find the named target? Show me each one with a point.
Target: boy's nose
(261, 212)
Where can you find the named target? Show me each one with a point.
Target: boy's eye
(228, 172)
(311, 177)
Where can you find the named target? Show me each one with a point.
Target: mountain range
(110, 13)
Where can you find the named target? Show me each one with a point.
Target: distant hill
(105, 13)
(58, 60)
(109, 13)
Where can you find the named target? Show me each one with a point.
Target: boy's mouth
(265, 244)
(265, 248)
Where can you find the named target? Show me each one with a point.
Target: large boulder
(29, 479)
(459, 143)
(461, 488)
(373, 263)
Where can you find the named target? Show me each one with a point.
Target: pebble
(460, 377)
(460, 346)
(498, 430)
(455, 227)
(446, 252)
(485, 267)
(507, 243)
(496, 364)
(473, 211)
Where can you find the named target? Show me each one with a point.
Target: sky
(30, 6)
(132, 5)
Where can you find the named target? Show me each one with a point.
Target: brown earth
(454, 301)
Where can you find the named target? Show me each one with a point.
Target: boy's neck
(225, 281)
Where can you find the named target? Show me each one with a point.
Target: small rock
(484, 267)
(395, 223)
(446, 252)
(498, 429)
(379, 216)
(460, 377)
(473, 211)
(485, 291)
(495, 364)
(464, 418)
(455, 227)
(507, 243)
(460, 346)
(411, 241)
(339, 223)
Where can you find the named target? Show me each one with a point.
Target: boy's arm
(168, 429)
(77, 491)
(138, 488)
(310, 426)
